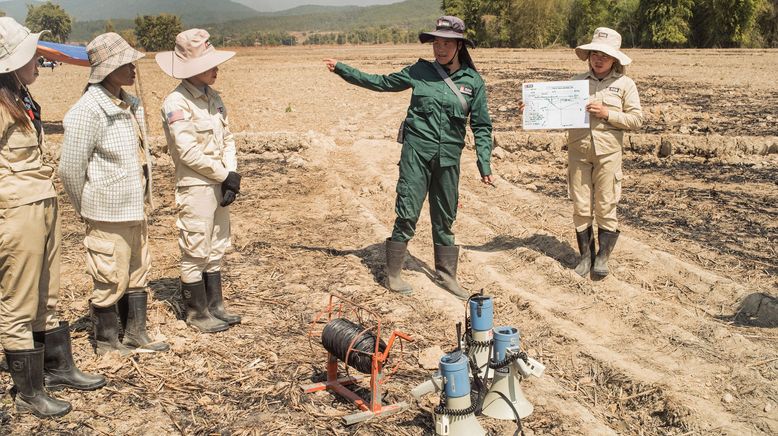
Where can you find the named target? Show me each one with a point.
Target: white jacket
(99, 164)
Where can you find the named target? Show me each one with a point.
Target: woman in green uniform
(433, 139)
(36, 343)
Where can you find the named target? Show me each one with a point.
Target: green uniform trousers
(417, 177)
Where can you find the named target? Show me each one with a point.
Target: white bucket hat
(107, 52)
(193, 55)
(17, 44)
(607, 41)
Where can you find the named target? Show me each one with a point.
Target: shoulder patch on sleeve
(174, 116)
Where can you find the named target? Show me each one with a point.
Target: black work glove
(232, 182)
(228, 197)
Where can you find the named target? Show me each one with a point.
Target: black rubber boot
(132, 311)
(446, 260)
(197, 314)
(213, 293)
(606, 240)
(585, 241)
(26, 368)
(59, 370)
(106, 326)
(395, 256)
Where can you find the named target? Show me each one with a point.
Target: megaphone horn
(505, 399)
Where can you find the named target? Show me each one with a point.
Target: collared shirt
(620, 94)
(435, 124)
(24, 176)
(198, 135)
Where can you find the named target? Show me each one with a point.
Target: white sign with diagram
(555, 105)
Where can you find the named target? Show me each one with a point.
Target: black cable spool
(339, 334)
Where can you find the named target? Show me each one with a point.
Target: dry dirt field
(662, 346)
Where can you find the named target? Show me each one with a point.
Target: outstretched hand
(330, 63)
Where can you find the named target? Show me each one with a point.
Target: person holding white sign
(594, 153)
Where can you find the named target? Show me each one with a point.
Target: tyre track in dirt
(636, 362)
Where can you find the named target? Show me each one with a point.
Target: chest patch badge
(465, 90)
(614, 89)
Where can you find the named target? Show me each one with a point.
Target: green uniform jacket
(436, 124)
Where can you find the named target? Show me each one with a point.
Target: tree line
(642, 23)
(501, 23)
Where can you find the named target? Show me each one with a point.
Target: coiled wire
(338, 335)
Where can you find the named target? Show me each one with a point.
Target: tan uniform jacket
(198, 136)
(24, 178)
(620, 94)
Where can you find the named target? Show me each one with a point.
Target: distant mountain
(192, 12)
(283, 5)
(410, 14)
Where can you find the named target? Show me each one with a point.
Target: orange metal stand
(373, 407)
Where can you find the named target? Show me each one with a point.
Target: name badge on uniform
(465, 90)
(614, 89)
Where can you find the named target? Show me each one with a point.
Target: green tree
(51, 17)
(157, 32)
(585, 16)
(129, 36)
(723, 23)
(767, 23)
(664, 23)
(626, 18)
(472, 12)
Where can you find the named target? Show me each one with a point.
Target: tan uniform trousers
(594, 185)
(204, 230)
(117, 258)
(30, 241)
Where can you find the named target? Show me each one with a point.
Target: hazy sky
(278, 5)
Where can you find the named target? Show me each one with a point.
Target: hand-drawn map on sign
(556, 105)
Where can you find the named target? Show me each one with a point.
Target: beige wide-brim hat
(607, 41)
(107, 52)
(17, 44)
(193, 55)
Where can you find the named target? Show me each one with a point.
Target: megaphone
(478, 332)
(455, 415)
(505, 399)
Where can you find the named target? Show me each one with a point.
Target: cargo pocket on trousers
(192, 238)
(617, 186)
(100, 260)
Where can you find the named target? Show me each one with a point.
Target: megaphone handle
(459, 336)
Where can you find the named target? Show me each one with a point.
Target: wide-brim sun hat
(447, 27)
(192, 55)
(17, 44)
(607, 41)
(107, 52)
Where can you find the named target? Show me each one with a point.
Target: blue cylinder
(481, 313)
(454, 369)
(504, 337)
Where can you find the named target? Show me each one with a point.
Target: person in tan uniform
(36, 343)
(106, 170)
(203, 151)
(594, 154)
